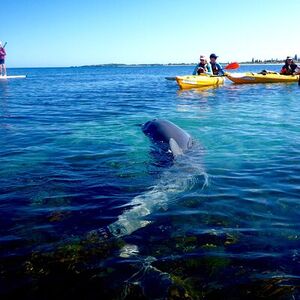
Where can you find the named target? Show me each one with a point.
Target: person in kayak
(216, 67)
(2, 61)
(203, 67)
(289, 67)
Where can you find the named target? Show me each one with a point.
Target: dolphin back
(168, 136)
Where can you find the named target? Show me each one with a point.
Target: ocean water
(87, 210)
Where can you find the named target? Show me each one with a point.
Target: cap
(213, 55)
(289, 57)
(202, 57)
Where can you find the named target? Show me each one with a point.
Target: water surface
(224, 224)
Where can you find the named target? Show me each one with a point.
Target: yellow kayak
(268, 77)
(195, 81)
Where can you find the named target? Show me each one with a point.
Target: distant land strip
(180, 64)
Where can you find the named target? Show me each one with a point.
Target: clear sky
(80, 32)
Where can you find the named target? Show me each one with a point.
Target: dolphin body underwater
(172, 141)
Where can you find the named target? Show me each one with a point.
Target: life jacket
(288, 69)
(2, 53)
(214, 68)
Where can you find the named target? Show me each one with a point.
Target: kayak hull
(12, 77)
(196, 81)
(242, 78)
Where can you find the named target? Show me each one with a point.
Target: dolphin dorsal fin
(176, 150)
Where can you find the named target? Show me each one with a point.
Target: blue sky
(80, 32)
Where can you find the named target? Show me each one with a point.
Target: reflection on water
(74, 162)
(4, 107)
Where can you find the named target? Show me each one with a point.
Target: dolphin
(174, 141)
(182, 175)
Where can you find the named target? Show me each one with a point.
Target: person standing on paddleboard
(2, 60)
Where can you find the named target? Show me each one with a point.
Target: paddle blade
(232, 66)
(170, 78)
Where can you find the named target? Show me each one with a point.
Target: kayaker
(216, 67)
(289, 67)
(203, 67)
(2, 61)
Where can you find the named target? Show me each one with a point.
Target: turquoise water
(222, 221)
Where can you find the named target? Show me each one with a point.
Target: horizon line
(146, 64)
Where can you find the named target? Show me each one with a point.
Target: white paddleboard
(13, 76)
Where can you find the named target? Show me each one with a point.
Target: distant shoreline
(151, 65)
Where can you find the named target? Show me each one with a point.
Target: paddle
(4, 45)
(232, 66)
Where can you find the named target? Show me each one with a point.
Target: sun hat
(213, 55)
